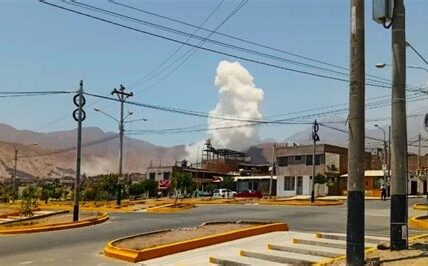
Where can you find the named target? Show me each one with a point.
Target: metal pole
(271, 172)
(78, 156)
(14, 176)
(384, 159)
(419, 150)
(398, 237)
(313, 170)
(388, 192)
(355, 186)
(119, 189)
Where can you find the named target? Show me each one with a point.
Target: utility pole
(419, 150)
(14, 176)
(79, 115)
(273, 168)
(122, 95)
(388, 191)
(355, 186)
(399, 230)
(315, 138)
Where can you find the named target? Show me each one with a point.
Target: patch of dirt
(177, 235)
(55, 219)
(417, 254)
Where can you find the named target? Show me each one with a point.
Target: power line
(90, 143)
(153, 72)
(210, 49)
(191, 51)
(240, 39)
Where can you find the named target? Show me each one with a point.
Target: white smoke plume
(238, 97)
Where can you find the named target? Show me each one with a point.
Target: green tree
(150, 186)
(137, 189)
(319, 179)
(210, 189)
(29, 201)
(44, 195)
(228, 182)
(183, 184)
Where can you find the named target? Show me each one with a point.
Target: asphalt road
(83, 246)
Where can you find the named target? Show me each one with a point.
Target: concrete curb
(60, 226)
(304, 204)
(342, 258)
(150, 253)
(17, 213)
(417, 222)
(420, 206)
(167, 208)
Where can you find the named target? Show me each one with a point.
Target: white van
(223, 193)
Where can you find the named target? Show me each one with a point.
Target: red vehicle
(249, 194)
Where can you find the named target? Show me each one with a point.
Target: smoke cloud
(238, 97)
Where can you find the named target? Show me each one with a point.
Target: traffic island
(165, 242)
(51, 223)
(301, 202)
(420, 206)
(419, 222)
(170, 208)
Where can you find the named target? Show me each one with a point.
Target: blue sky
(44, 48)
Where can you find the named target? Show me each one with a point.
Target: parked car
(249, 194)
(223, 193)
(200, 193)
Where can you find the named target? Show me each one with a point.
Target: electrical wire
(90, 143)
(210, 49)
(189, 53)
(240, 39)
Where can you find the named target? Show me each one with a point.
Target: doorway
(299, 189)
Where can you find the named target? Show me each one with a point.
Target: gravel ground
(417, 254)
(177, 235)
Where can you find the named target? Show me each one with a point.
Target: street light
(14, 173)
(384, 154)
(416, 52)
(121, 122)
(382, 65)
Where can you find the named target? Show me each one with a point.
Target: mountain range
(52, 154)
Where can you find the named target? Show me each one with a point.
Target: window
(288, 182)
(152, 176)
(309, 159)
(283, 161)
(377, 182)
(298, 158)
(166, 175)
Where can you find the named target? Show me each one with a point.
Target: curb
(60, 226)
(131, 255)
(17, 213)
(420, 206)
(319, 204)
(341, 258)
(417, 222)
(167, 208)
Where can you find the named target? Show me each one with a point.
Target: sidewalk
(277, 248)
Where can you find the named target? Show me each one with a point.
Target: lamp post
(14, 173)
(382, 65)
(384, 154)
(408, 44)
(121, 123)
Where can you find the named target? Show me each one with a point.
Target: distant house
(294, 169)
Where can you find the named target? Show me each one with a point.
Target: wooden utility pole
(355, 196)
(122, 95)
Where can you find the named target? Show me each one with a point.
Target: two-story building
(294, 169)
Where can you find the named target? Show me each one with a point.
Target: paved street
(83, 246)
